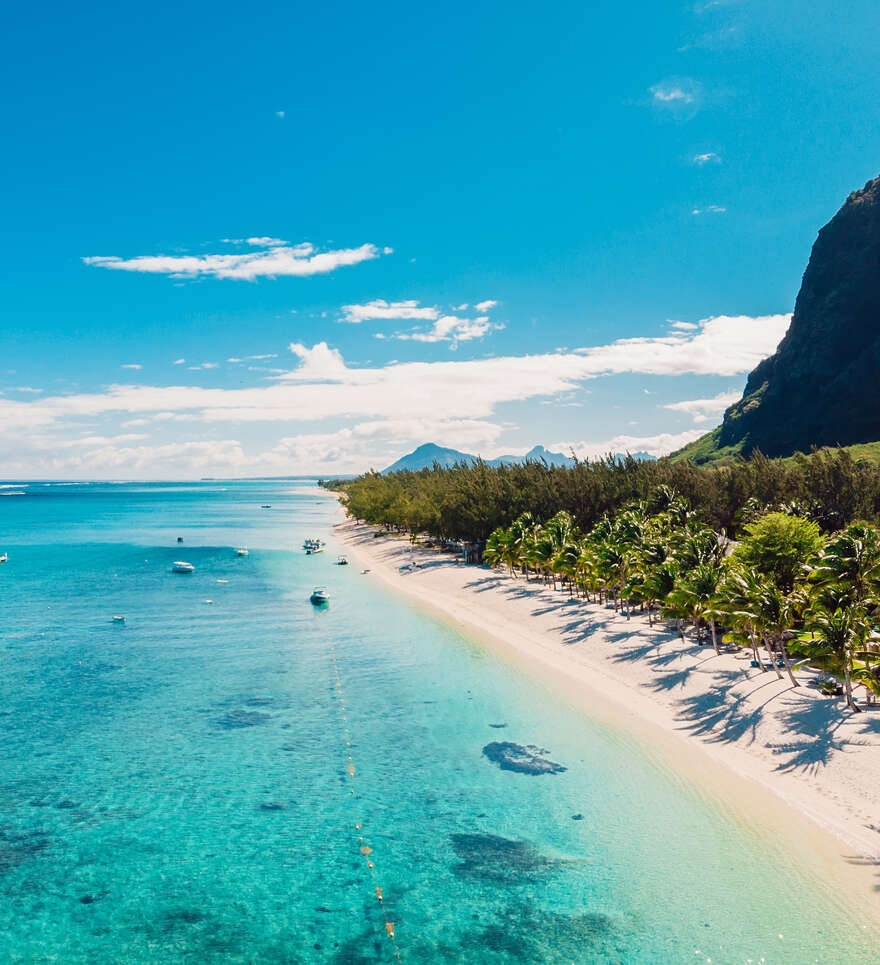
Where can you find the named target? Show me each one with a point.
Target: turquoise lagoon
(178, 788)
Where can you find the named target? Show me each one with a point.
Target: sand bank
(791, 745)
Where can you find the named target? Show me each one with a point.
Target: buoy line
(350, 771)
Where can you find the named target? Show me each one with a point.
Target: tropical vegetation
(792, 587)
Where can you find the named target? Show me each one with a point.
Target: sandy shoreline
(812, 768)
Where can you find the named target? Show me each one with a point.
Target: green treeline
(468, 502)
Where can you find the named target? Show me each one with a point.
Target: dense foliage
(468, 502)
(786, 590)
(802, 580)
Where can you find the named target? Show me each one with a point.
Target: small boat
(319, 597)
(4, 558)
(313, 546)
(119, 619)
(179, 539)
(179, 566)
(266, 506)
(241, 551)
(342, 561)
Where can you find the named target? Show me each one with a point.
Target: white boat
(342, 561)
(320, 597)
(313, 546)
(179, 566)
(119, 619)
(241, 551)
(4, 558)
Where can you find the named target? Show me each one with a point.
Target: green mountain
(822, 386)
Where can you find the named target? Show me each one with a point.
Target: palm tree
(693, 598)
(736, 604)
(839, 633)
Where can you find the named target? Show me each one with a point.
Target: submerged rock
(236, 719)
(524, 933)
(16, 847)
(498, 726)
(528, 759)
(272, 806)
(493, 858)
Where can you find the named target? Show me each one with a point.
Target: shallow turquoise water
(178, 788)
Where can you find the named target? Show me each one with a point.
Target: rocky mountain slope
(822, 386)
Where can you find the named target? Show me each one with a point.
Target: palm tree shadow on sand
(816, 722)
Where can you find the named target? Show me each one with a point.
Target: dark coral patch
(524, 759)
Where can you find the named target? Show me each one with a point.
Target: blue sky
(200, 182)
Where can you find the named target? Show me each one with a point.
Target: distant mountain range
(428, 454)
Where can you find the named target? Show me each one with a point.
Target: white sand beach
(796, 761)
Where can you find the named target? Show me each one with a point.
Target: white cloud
(701, 410)
(297, 260)
(722, 345)
(483, 307)
(709, 157)
(133, 365)
(253, 358)
(280, 114)
(204, 365)
(451, 328)
(178, 362)
(381, 309)
(682, 326)
(265, 242)
(679, 96)
(322, 385)
(659, 445)
(710, 209)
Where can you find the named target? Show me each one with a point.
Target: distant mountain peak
(428, 454)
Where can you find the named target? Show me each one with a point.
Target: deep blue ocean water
(210, 781)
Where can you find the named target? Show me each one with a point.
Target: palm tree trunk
(787, 661)
(755, 653)
(714, 635)
(847, 684)
(773, 659)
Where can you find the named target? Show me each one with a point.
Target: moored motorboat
(313, 546)
(119, 619)
(320, 597)
(180, 566)
(4, 558)
(241, 551)
(342, 560)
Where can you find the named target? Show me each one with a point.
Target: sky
(296, 238)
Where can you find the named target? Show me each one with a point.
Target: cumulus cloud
(485, 306)
(323, 386)
(264, 242)
(658, 445)
(178, 362)
(272, 261)
(381, 309)
(702, 410)
(710, 209)
(133, 365)
(204, 365)
(453, 329)
(708, 157)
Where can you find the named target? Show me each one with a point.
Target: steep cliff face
(822, 387)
